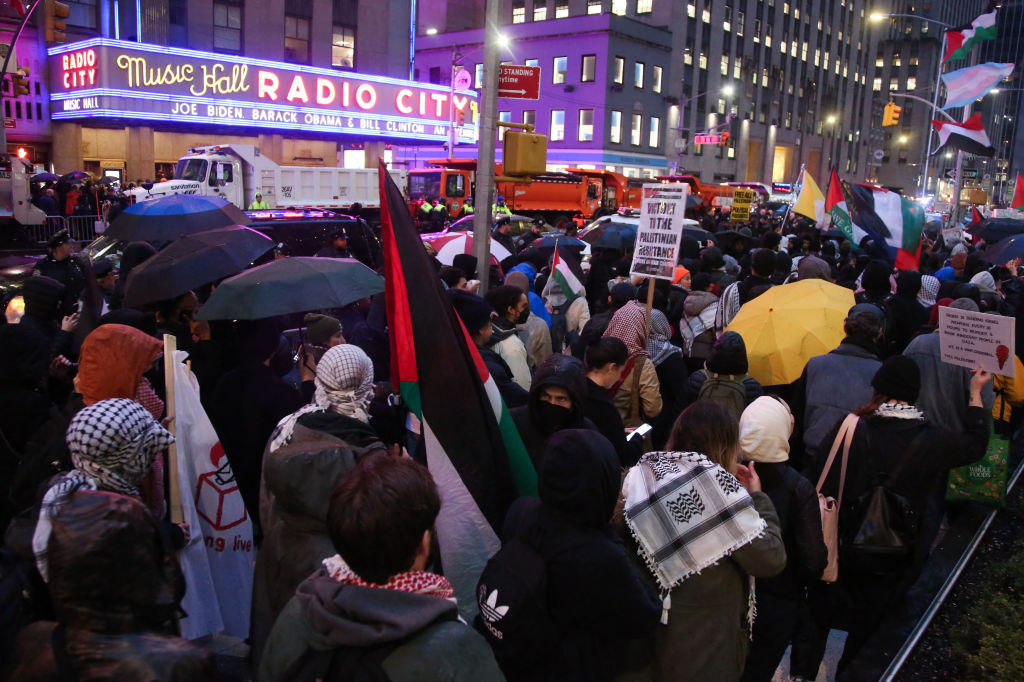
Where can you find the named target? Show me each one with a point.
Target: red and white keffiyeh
(417, 582)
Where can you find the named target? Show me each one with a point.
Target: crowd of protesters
(656, 544)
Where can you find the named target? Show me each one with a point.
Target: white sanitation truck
(238, 171)
(16, 207)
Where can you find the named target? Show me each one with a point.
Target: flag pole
(935, 106)
(171, 345)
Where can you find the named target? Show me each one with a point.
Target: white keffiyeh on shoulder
(344, 384)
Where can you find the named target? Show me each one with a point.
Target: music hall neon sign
(102, 78)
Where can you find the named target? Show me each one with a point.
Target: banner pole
(171, 345)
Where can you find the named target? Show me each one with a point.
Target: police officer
(500, 207)
(336, 245)
(62, 266)
(535, 231)
(468, 208)
(438, 215)
(258, 203)
(423, 214)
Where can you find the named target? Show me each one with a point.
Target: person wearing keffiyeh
(379, 596)
(705, 530)
(637, 394)
(113, 444)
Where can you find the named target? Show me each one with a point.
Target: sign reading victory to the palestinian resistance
(662, 210)
(970, 339)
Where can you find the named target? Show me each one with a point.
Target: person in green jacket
(468, 208)
(500, 206)
(374, 603)
(258, 203)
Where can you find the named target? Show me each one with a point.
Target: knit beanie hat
(679, 273)
(728, 355)
(474, 311)
(765, 428)
(899, 378)
(42, 296)
(985, 282)
(965, 304)
(320, 328)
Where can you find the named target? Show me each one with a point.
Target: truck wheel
(560, 221)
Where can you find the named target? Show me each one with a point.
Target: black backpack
(514, 617)
(23, 600)
(882, 540)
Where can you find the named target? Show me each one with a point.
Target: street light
(726, 90)
(903, 139)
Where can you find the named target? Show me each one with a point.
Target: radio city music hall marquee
(103, 78)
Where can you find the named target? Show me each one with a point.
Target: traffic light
(19, 82)
(54, 14)
(723, 139)
(891, 115)
(460, 117)
(524, 154)
(22, 153)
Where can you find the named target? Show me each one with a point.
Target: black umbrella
(75, 177)
(699, 234)
(545, 245)
(106, 180)
(727, 238)
(167, 218)
(833, 233)
(996, 229)
(611, 235)
(45, 177)
(291, 285)
(1005, 250)
(195, 260)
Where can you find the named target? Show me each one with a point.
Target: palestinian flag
(810, 202)
(1018, 194)
(964, 86)
(835, 206)
(976, 217)
(567, 274)
(960, 40)
(891, 218)
(472, 447)
(968, 136)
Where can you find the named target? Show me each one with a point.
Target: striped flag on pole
(895, 220)
(835, 206)
(963, 86)
(565, 276)
(968, 136)
(960, 40)
(472, 447)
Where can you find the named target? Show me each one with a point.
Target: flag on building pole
(835, 206)
(968, 136)
(891, 218)
(472, 447)
(810, 202)
(960, 40)
(567, 274)
(1018, 194)
(963, 86)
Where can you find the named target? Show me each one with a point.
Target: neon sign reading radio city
(118, 79)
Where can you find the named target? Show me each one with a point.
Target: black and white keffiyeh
(113, 444)
(687, 513)
(344, 384)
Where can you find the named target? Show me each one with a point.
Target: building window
(615, 131)
(585, 130)
(540, 10)
(531, 62)
(478, 76)
(619, 71)
(894, 84)
(559, 67)
(691, 9)
(82, 13)
(593, 6)
(343, 47)
(912, 83)
(296, 39)
(724, 68)
(702, 61)
(561, 9)
(529, 117)
(635, 129)
(644, 6)
(557, 132)
(619, 7)
(654, 136)
(656, 79)
(227, 28)
(588, 68)
(503, 117)
(741, 19)
(519, 12)
(638, 75)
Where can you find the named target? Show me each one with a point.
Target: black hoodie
(597, 595)
(535, 419)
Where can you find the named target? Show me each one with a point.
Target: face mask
(523, 316)
(552, 417)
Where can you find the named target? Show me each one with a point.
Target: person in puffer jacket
(697, 326)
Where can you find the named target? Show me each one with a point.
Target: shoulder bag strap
(851, 427)
(614, 388)
(843, 437)
(634, 408)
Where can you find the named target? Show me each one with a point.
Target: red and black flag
(472, 447)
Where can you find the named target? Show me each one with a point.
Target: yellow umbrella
(788, 325)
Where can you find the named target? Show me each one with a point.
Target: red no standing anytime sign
(519, 82)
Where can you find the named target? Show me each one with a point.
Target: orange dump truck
(713, 196)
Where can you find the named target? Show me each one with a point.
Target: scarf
(928, 292)
(113, 443)
(344, 384)
(416, 582)
(659, 345)
(629, 325)
(686, 513)
(893, 410)
(112, 361)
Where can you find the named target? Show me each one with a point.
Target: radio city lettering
(117, 79)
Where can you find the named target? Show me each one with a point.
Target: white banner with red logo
(218, 560)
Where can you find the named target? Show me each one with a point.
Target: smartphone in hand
(639, 432)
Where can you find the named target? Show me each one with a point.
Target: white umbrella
(450, 245)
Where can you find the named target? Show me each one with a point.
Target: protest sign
(741, 201)
(952, 235)
(661, 230)
(970, 339)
